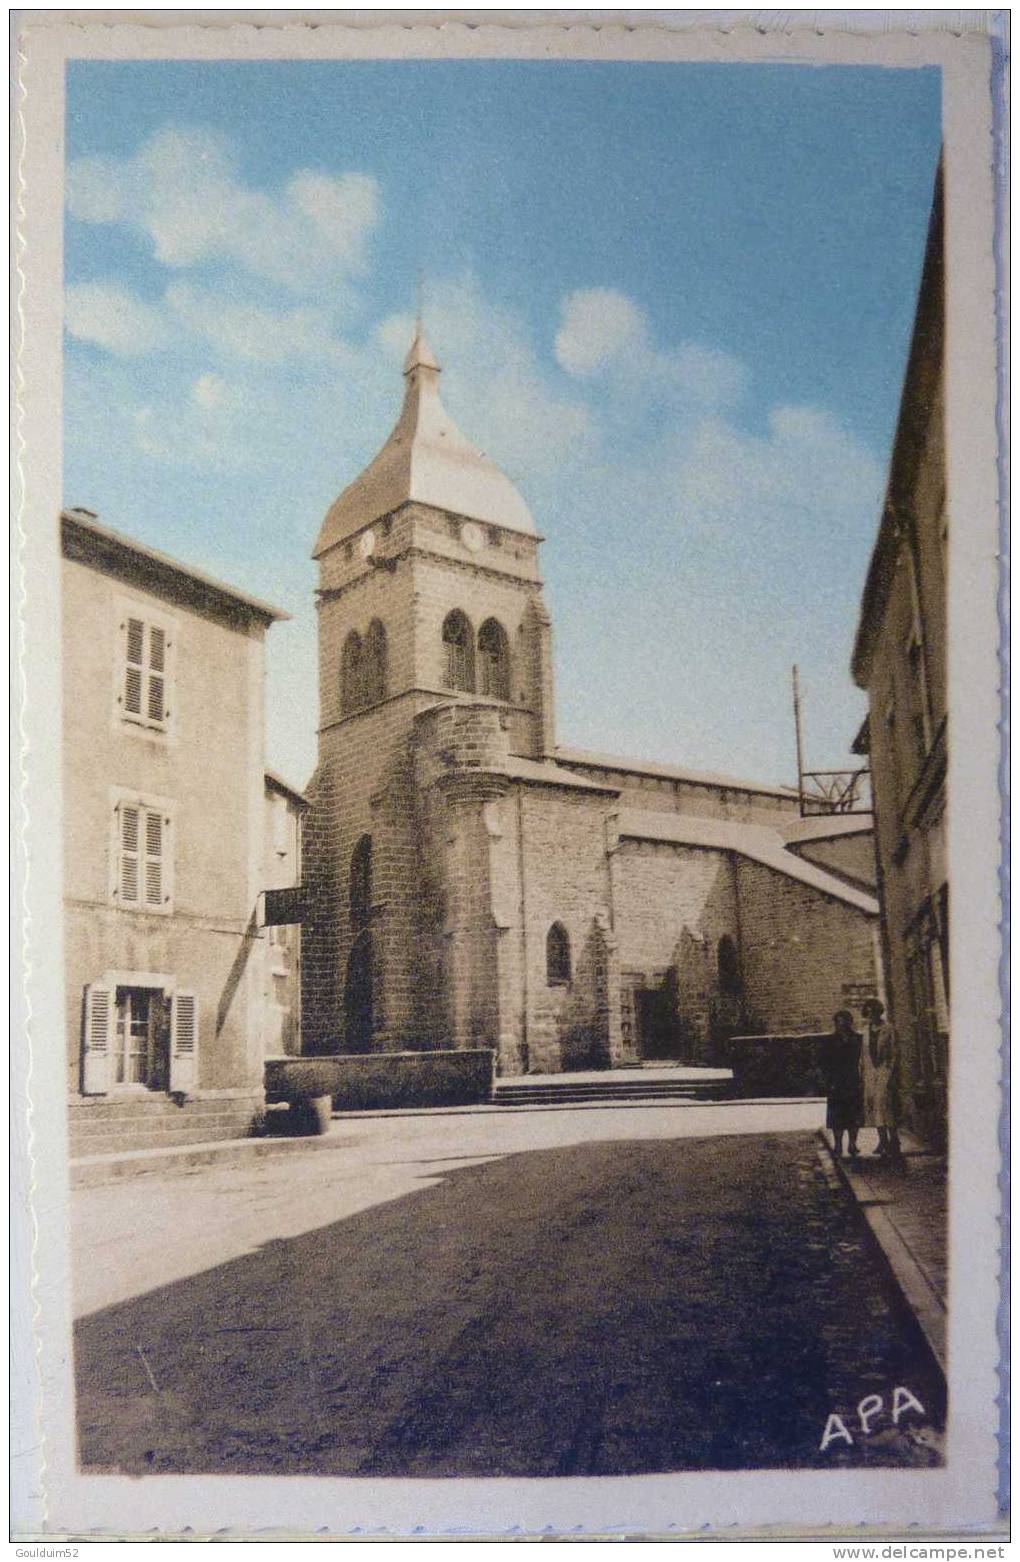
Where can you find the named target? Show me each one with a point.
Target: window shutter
(153, 857)
(135, 666)
(95, 1061)
(157, 674)
(183, 1041)
(129, 877)
(147, 652)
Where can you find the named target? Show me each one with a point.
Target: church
(470, 883)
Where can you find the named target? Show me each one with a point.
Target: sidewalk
(905, 1206)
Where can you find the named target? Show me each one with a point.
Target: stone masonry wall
(560, 836)
(667, 795)
(799, 949)
(362, 786)
(672, 905)
(851, 856)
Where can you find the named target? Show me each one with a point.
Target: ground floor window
(139, 1033)
(141, 1052)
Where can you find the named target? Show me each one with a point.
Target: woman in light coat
(879, 1060)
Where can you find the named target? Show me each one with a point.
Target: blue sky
(673, 301)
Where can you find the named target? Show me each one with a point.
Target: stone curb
(503, 1108)
(924, 1301)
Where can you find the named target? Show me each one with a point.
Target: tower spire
(420, 354)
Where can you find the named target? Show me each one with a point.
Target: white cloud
(343, 210)
(107, 315)
(210, 391)
(603, 332)
(806, 481)
(183, 191)
(241, 328)
(394, 335)
(597, 324)
(494, 382)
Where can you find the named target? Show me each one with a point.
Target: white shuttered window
(142, 836)
(144, 688)
(95, 1069)
(183, 1041)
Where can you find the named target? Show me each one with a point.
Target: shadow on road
(609, 1308)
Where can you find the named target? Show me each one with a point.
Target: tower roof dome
(427, 459)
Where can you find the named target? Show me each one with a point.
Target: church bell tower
(429, 595)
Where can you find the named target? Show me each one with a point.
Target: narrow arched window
(557, 956)
(459, 671)
(374, 657)
(729, 967)
(494, 660)
(361, 884)
(352, 674)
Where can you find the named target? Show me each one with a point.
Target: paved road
(607, 1293)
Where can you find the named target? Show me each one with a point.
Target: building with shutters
(281, 1009)
(166, 804)
(469, 882)
(899, 658)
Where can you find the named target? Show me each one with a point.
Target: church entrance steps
(618, 1086)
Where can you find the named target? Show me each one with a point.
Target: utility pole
(800, 741)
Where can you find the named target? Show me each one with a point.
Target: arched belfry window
(557, 956)
(458, 650)
(374, 658)
(729, 967)
(494, 660)
(361, 884)
(352, 695)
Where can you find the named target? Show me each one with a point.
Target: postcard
(507, 543)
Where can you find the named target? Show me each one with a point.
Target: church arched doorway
(358, 996)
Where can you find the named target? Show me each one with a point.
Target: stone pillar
(620, 1055)
(470, 932)
(540, 692)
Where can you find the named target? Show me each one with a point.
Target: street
(498, 1292)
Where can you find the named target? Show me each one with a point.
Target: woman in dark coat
(844, 1103)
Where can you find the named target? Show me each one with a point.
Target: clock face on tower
(366, 544)
(471, 536)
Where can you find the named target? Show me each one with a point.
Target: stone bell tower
(429, 596)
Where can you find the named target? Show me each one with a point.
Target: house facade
(284, 819)
(468, 882)
(900, 660)
(164, 844)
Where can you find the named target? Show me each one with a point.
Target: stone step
(567, 1093)
(155, 1104)
(159, 1125)
(159, 1120)
(617, 1086)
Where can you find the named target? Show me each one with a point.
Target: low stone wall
(778, 1065)
(359, 1081)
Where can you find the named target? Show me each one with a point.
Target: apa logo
(871, 1406)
